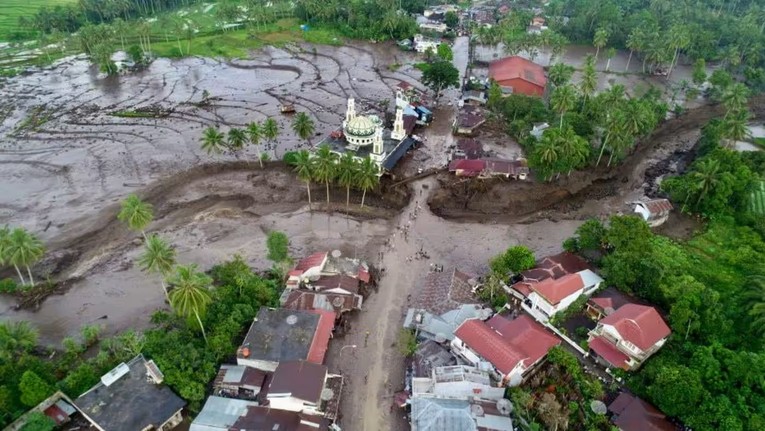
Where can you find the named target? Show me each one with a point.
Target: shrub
(8, 285)
(38, 421)
(33, 389)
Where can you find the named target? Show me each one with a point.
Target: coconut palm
(271, 132)
(619, 145)
(546, 154)
(304, 170)
(560, 74)
(599, 40)
(634, 43)
(610, 53)
(347, 174)
(734, 127)
(159, 258)
(368, 177)
(303, 126)
(255, 133)
(615, 125)
(679, 38)
(734, 97)
(15, 338)
(190, 294)
(706, 176)
(325, 167)
(24, 249)
(5, 243)
(135, 213)
(236, 139)
(589, 78)
(574, 148)
(563, 100)
(212, 141)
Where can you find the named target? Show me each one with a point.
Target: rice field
(758, 200)
(11, 10)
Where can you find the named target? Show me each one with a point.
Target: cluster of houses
(279, 380)
(468, 354)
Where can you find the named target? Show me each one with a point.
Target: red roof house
(520, 75)
(467, 167)
(511, 346)
(637, 331)
(630, 413)
(321, 337)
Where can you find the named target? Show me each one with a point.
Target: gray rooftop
(441, 327)
(281, 335)
(131, 402)
(220, 413)
(437, 414)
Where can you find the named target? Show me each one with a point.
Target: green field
(11, 10)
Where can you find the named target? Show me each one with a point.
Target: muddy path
(590, 193)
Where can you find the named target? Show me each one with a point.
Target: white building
(457, 381)
(422, 43)
(654, 212)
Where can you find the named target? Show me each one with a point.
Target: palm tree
(271, 132)
(15, 338)
(304, 170)
(303, 126)
(158, 257)
(634, 43)
(325, 167)
(619, 144)
(255, 132)
(589, 79)
(563, 100)
(190, 295)
(347, 173)
(368, 177)
(678, 39)
(755, 298)
(574, 148)
(610, 53)
(236, 139)
(706, 176)
(546, 154)
(212, 141)
(734, 97)
(599, 40)
(615, 125)
(24, 249)
(5, 247)
(560, 74)
(136, 214)
(735, 127)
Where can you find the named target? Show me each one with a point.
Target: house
(630, 413)
(131, 397)
(514, 169)
(467, 121)
(301, 386)
(57, 407)
(428, 25)
(474, 97)
(422, 43)
(654, 212)
(554, 284)
(509, 349)
(519, 75)
(278, 335)
(428, 356)
(439, 414)
(467, 148)
(228, 414)
(440, 327)
(339, 303)
(466, 167)
(327, 273)
(457, 381)
(606, 302)
(537, 25)
(240, 381)
(628, 336)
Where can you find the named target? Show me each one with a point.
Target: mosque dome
(360, 126)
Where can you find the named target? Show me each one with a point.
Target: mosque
(366, 136)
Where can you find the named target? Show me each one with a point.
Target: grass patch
(757, 204)
(422, 67)
(11, 10)
(760, 142)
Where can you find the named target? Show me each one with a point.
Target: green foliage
(38, 421)
(440, 75)
(33, 389)
(575, 308)
(278, 246)
(290, 158)
(407, 342)
(512, 261)
(444, 52)
(8, 285)
(90, 334)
